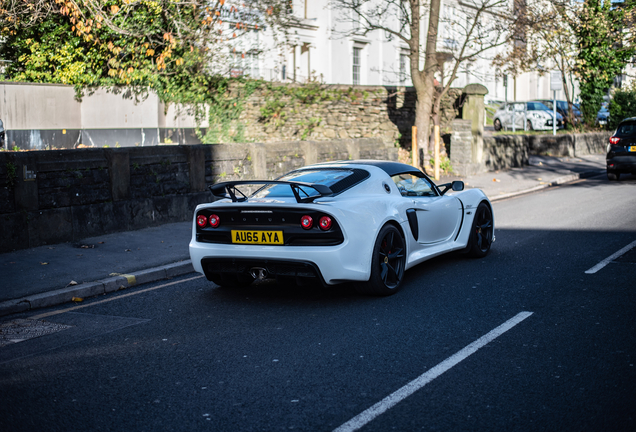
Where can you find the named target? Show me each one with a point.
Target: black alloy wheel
(497, 124)
(482, 232)
(387, 264)
(613, 175)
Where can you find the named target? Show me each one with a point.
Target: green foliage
(603, 51)
(622, 105)
(226, 99)
(166, 47)
(308, 126)
(273, 113)
(445, 166)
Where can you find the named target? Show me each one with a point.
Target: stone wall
(509, 151)
(56, 196)
(576, 144)
(340, 112)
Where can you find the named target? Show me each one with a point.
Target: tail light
(324, 223)
(614, 140)
(202, 221)
(214, 221)
(306, 222)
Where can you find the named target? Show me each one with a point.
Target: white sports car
(359, 221)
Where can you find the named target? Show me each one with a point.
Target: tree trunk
(423, 110)
(424, 81)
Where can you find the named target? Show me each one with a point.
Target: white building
(319, 48)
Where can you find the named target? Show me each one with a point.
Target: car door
(505, 116)
(519, 115)
(438, 217)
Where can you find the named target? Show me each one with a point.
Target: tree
(606, 43)
(550, 43)
(622, 105)
(169, 46)
(476, 28)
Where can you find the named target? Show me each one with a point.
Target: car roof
(390, 167)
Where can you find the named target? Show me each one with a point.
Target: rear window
(536, 106)
(626, 129)
(337, 179)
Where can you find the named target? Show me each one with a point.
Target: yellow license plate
(632, 148)
(257, 237)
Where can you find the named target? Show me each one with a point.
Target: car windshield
(537, 106)
(626, 129)
(327, 177)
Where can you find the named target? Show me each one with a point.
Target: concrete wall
(39, 106)
(58, 196)
(48, 116)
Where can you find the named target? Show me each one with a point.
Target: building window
(404, 68)
(357, 55)
(245, 64)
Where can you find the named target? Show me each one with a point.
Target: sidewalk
(51, 275)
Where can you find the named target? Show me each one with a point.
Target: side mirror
(456, 186)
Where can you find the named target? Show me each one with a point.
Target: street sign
(556, 83)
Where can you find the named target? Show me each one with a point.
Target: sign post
(556, 84)
(414, 150)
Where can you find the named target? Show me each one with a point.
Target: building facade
(323, 46)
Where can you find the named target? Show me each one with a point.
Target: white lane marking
(394, 398)
(611, 258)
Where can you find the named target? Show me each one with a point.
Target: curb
(557, 181)
(92, 289)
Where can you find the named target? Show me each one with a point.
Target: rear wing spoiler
(229, 190)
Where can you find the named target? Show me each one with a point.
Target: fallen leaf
(539, 179)
(44, 263)
(72, 283)
(77, 299)
(496, 180)
(127, 250)
(102, 242)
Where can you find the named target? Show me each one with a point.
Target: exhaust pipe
(258, 273)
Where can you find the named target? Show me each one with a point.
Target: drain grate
(23, 329)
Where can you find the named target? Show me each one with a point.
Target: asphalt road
(184, 355)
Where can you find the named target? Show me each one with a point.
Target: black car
(621, 150)
(562, 108)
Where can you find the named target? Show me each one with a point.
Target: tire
(529, 125)
(613, 175)
(387, 264)
(232, 280)
(496, 124)
(482, 232)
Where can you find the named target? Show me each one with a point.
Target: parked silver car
(525, 116)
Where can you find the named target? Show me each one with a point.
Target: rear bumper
(272, 267)
(331, 264)
(622, 163)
